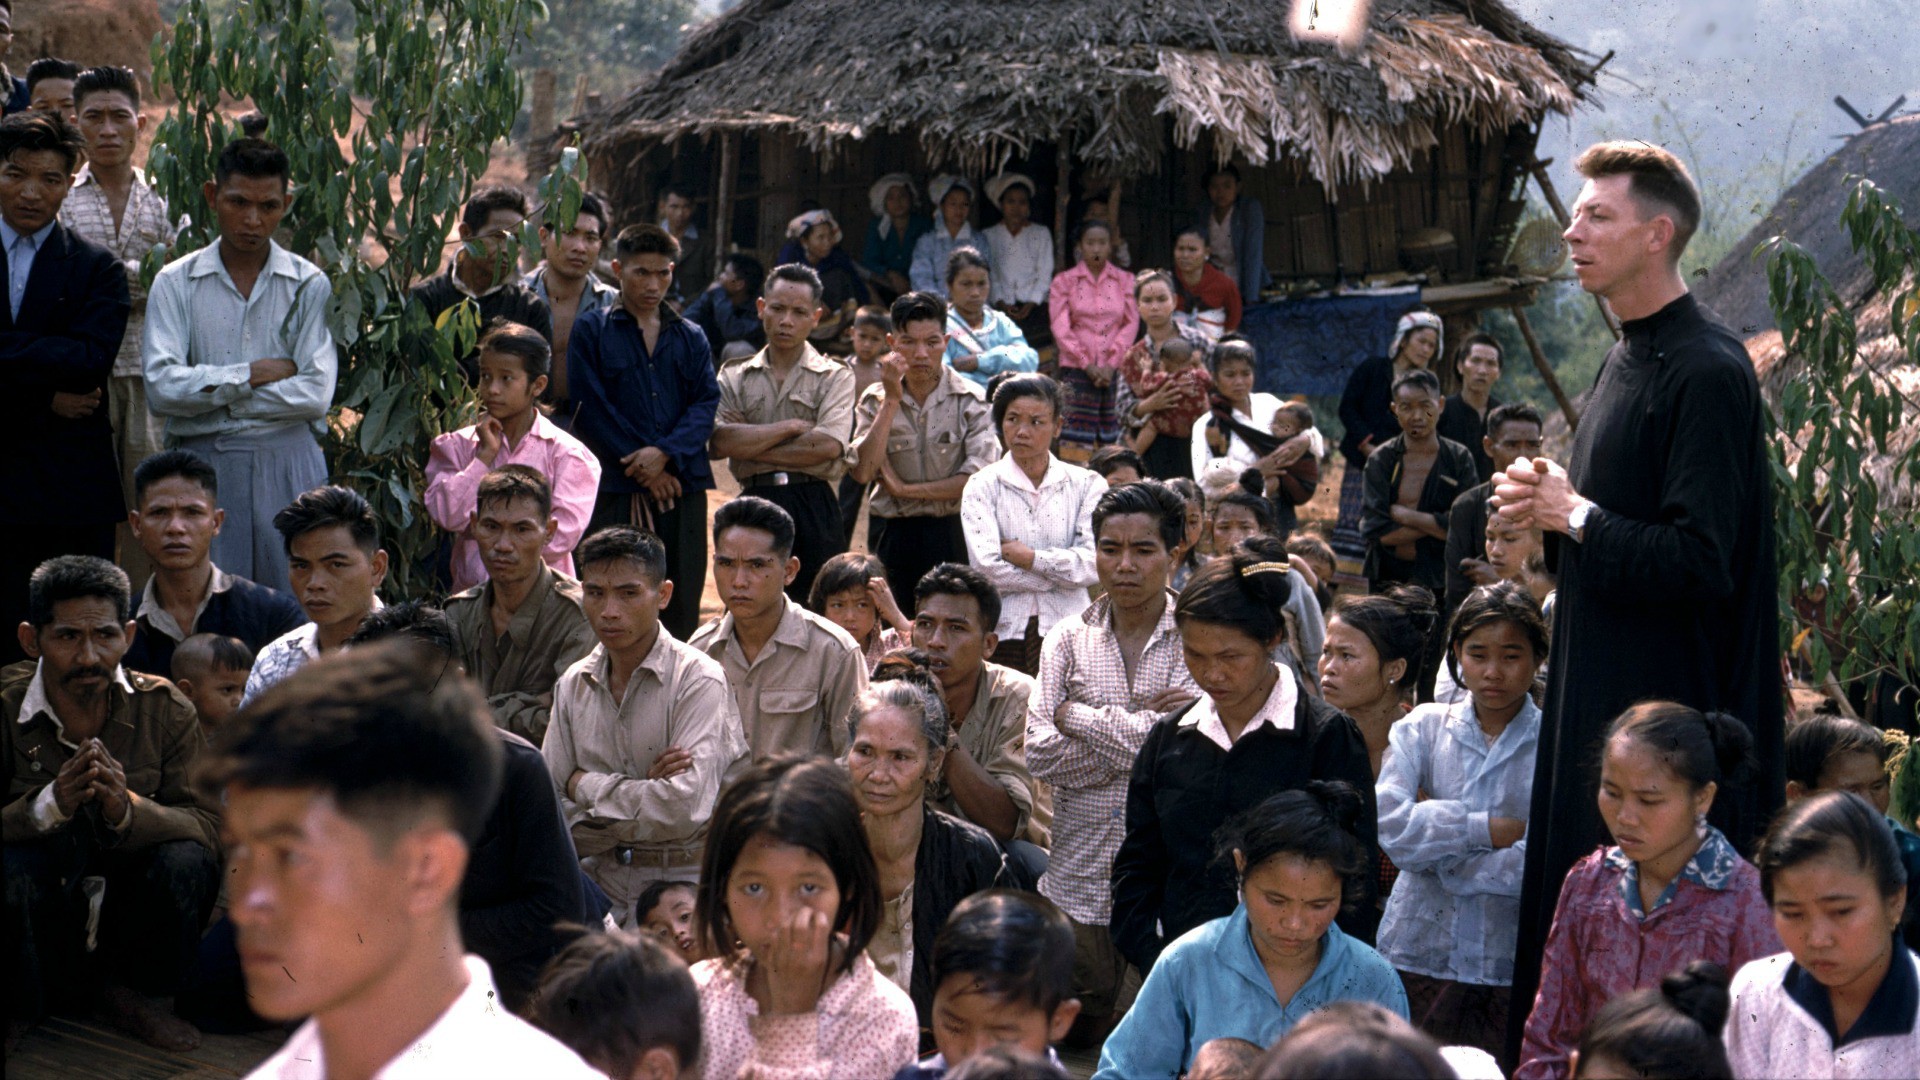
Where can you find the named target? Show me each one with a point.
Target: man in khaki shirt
(101, 799)
(794, 674)
(519, 630)
(920, 431)
(786, 422)
(644, 732)
(985, 779)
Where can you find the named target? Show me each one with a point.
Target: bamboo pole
(1539, 170)
(1062, 189)
(722, 223)
(1546, 371)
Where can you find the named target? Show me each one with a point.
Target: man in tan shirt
(519, 630)
(786, 422)
(985, 779)
(921, 430)
(644, 732)
(794, 674)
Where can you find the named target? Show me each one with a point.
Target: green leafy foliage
(386, 143)
(1850, 567)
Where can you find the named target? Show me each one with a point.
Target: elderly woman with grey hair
(897, 739)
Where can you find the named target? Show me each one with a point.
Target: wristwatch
(1577, 520)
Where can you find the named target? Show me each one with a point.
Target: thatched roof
(1809, 215)
(981, 80)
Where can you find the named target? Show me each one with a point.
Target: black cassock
(1671, 595)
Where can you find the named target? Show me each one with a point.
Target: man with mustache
(111, 867)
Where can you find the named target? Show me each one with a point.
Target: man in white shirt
(237, 356)
(333, 544)
(354, 790)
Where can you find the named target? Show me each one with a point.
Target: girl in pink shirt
(789, 899)
(1094, 318)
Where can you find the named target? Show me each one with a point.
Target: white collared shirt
(161, 620)
(1022, 265)
(285, 655)
(46, 811)
(475, 1039)
(202, 336)
(1277, 713)
(1055, 519)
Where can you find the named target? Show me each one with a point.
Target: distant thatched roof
(980, 80)
(1809, 215)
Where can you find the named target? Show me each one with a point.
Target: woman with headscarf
(1021, 251)
(813, 240)
(953, 198)
(1366, 411)
(895, 228)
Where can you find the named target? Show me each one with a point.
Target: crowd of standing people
(1086, 755)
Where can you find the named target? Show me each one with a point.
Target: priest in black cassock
(1660, 528)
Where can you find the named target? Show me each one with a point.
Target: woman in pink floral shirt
(1094, 319)
(789, 898)
(1671, 890)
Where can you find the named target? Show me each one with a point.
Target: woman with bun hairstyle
(897, 738)
(1254, 731)
(1843, 999)
(1374, 645)
(1454, 793)
(1670, 889)
(1297, 859)
(1668, 1033)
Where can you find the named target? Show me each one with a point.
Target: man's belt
(780, 479)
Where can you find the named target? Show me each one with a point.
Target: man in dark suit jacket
(60, 327)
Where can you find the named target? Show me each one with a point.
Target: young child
(1117, 465)
(1670, 1031)
(1454, 790)
(1256, 973)
(1296, 482)
(1844, 998)
(851, 591)
(625, 1003)
(665, 910)
(1002, 976)
(211, 670)
(1225, 1059)
(789, 899)
(1174, 363)
(1188, 557)
(1669, 891)
(871, 325)
(512, 430)
(1314, 550)
(1834, 753)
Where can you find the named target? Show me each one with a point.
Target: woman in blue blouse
(1256, 973)
(981, 341)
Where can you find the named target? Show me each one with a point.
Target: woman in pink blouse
(1094, 319)
(1670, 891)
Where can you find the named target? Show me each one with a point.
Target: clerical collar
(1889, 1012)
(1684, 304)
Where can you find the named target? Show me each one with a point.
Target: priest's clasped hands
(1536, 493)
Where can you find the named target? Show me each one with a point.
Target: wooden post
(1062, 191)
(540, 122)
(1546, 371)
(579, 95)
(722, 221)
(1540, 177)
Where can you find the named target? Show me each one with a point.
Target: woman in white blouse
(1028, 519)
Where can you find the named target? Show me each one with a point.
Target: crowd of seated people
(1048, 755)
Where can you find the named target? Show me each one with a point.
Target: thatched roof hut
(1429, 124)
(1809, 214)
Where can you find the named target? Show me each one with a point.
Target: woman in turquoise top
(1256, 973)
(981, 341)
